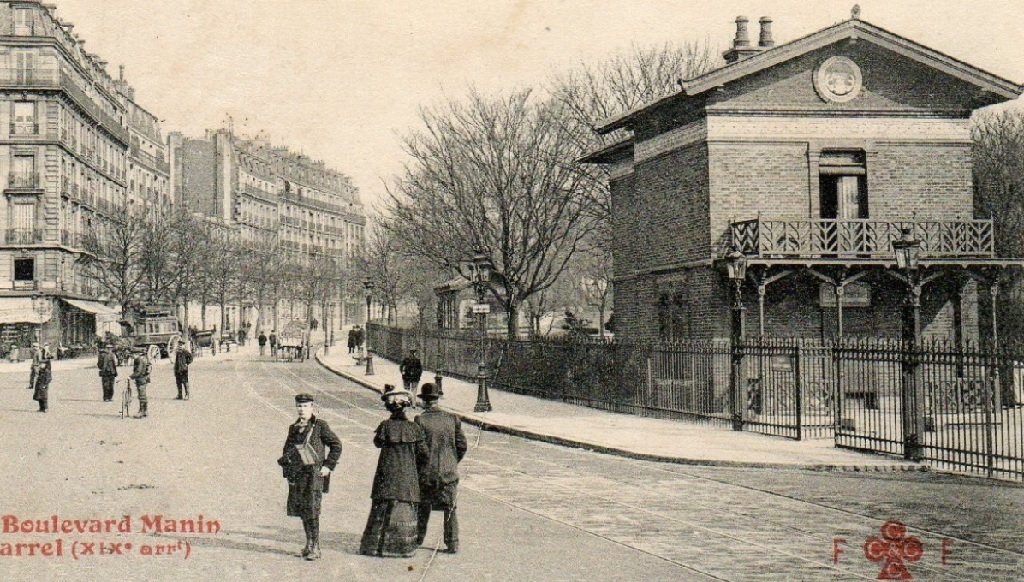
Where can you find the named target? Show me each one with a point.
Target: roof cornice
(846, 30)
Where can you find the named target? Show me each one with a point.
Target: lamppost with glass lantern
(42, 306)
(478, 271)
(908, 259)
(736, 268)
(368, 286)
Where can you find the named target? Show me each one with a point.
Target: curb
(579, 444)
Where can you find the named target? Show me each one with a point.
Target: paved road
(528, 511)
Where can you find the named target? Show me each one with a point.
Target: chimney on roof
(120, 73)
(741, 48)
(766, 40)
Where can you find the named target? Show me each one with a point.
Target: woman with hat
(391, 529)
(308, 469)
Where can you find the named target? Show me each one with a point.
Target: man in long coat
(106, 361)
(439, 480)
(411, 369)
(308, 482)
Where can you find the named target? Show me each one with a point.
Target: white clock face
(838, 80)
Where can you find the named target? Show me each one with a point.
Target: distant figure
(359, 336)
(107, 363)
(262, 341)
(411, 369)
(182, 358)
(37, 360)
(273, 344)
(439, 481)
(391, 528)
(351, 340)
(140, 375)
(42, 388)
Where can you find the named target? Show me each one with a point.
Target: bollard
(369, 364)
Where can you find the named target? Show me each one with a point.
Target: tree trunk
(513, 319)
(202, 313)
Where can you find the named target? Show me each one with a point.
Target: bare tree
(999, 195)
(493, 175)
(999, 177)
(592, 93)
(116, 252)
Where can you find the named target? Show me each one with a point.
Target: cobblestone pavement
(528, 510)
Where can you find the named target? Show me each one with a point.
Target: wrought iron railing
(861, 237)
(23, 236)
(29, 180)
(964, 402)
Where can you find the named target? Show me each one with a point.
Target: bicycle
(126, 399)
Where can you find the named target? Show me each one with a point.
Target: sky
(342, 80)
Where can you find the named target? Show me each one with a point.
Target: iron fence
(958, 407)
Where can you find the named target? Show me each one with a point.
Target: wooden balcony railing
(862, 238)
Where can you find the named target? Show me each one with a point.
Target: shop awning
(21, 310)
(102, 312)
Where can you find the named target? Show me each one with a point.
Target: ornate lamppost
(368, 286)
(736, 268)
(908, 259)
(478, 271)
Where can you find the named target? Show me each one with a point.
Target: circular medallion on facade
(838, 80)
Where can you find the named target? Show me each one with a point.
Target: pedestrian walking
(41, 390)
(358, 337)
(273, 344)
(439, 480)
(351, 340)
(411, 369)
(107, 363)
(262, 341)
(37, 360)
(391, 528)
(182, 358)
(140, 375)
(308, 469)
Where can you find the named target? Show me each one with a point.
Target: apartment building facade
(72, 140)
(278, 200)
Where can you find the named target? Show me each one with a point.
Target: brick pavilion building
(808, 160)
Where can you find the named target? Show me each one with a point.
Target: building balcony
(860, 238)
(72, 239)
(23, 236)
(24, 181)
(24, 128)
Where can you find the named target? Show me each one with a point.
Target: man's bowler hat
(429, 391)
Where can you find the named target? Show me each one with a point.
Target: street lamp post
(368, 286)
(478, 271)
(908, 259)
(736, 266)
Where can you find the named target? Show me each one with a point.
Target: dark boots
(143, 410)
(312, 550)
(186, 391)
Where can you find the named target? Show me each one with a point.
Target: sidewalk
(622, 434)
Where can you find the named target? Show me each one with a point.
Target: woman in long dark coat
(391, 529)
(307, 483)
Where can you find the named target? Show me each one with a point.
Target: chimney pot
(120, 69)
(741, 40)
(766, 40)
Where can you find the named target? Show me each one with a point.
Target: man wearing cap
(140, 375)
(107, 364)
(446, 444)
(411, 369)
(308, 469)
